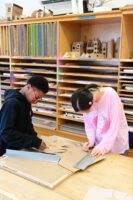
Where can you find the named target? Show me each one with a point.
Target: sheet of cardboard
(70, 152)
(37, 171)
(48, 173)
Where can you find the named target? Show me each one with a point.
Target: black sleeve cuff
(36, 142)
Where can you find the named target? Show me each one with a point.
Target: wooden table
(115, 172)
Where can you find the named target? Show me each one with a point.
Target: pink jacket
(106, 126)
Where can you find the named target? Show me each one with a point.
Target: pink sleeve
(89, 130)
(115, 108)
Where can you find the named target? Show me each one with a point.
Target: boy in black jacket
(16, 129)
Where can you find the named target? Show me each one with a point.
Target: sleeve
(12, 137)
(115, 107)
(90, 132)
(31, 128)
(32, 131)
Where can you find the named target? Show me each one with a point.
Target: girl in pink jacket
(105, 122)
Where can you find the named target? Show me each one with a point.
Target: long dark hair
(82, 99)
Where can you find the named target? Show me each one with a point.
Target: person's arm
(12, 137)
(30, 124)
(108, 140)
(90, 132)
(33, 132)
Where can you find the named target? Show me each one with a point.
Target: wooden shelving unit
(126, 69)
(4, 76)
(45, 109)
(126, 92)
(126, 88)
(4, 41)
(75, 73)
(43, 44)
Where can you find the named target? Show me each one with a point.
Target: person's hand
(87, 146)
(96, 152)
(42, 146)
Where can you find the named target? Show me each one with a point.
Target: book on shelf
(73, 128)
(49, 105)
(128, 71)
(128, 111)
(6, 74)
(19, 82)
(74, 116)
(4, 68)
(130, 128)
(129, 88)
(43, 110)
(37, 39)
(127, 100)
(127, 77)
(5, 87)
(66, 94)
(48, 98)
(44, 122)
(67, 107)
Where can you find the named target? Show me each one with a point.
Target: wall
(117, 3)
(30, 5)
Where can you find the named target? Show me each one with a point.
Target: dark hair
(39, 82)
(82, 99)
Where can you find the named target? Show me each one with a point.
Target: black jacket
(16, 129)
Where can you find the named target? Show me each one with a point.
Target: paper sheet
(98, 193)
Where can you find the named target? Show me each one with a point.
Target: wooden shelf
(129, 91)
(6, 82)
(89, 75)
(89, 67)
(65, 110)
(49, 100)
(125, 81)
(129, 117)
(126, 95)
(44, 113)
(6, 70)
(126, 104)
(43, 106)
(33, 64)
(35, 72)
(4, 63)
(69, 118)
(4, 57)
(125, 67)
(126, 60)
(65, 88)
(65, 75)
(90, 59)
(33, 58)
(64, 102)
(88, 82)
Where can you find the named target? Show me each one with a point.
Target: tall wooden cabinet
(38, 46)
(74, 73)
(4, 77)
(126, 68)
